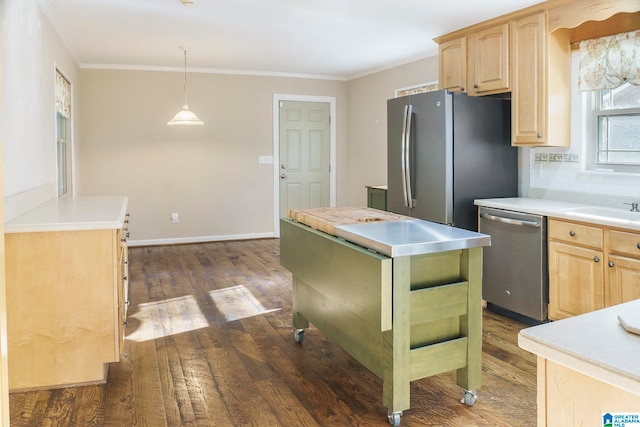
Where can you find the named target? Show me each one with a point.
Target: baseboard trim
(199, 239)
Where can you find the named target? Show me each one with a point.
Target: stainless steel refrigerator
(444, 151)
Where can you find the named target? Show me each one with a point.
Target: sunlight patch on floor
(237, 302)
(168, 317)
(178, 315)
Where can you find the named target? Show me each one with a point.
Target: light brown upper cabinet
(540, 97)
(488, 55)
(528, 53)
(453, 65)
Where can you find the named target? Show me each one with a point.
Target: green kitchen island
(400, 295)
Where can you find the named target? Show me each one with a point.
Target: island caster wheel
(394, 418)
(469, 398)
(298, 335)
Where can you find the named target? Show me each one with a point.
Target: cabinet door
(488, 52)
(528, 97)
(624, 280)
(576, 280)
(453, 65)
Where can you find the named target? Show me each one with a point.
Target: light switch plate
(265, 160)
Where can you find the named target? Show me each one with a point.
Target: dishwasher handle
(534, 224)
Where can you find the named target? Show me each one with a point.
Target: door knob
(283, 176)
(283, 166)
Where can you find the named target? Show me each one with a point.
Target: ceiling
(335, 39)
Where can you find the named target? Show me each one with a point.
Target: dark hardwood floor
(209, 343)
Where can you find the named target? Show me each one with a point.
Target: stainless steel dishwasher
(515, 275)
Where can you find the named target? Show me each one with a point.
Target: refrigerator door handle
(404, 154)
(407, 159)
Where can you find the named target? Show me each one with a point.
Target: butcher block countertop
(326, 219)
(388, 233)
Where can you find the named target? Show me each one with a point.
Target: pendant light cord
(185, 75)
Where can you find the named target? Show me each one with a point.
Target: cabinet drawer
(578, 234)
(622, 242)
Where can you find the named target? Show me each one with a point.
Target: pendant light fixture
(185, 116)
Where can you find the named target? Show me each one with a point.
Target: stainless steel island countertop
(413, 237)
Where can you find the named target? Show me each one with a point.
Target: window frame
(591, 102)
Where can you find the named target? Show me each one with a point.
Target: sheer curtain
(608, 62)
(63, 96)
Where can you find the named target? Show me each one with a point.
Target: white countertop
(613, 217)
(73, 213)
(594, 344)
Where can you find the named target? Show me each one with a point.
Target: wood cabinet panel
(63, 313)
(567, 397)
(529, 53)
(625, 243)
(574, 233)
(623, 284)
(453, 65)
(540, 96)
(488, 56)
(576, 280)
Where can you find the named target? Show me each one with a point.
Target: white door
(304, 155)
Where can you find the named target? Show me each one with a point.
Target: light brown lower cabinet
(66, 301)
(591, 267)
(566, 397)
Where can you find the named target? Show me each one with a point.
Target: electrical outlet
(537, 170)
(175, 218)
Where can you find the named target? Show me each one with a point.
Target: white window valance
(608, 62)
(63, 96)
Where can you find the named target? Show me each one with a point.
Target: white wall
(208, 174)
(30, 50)
(569, 180)
(368, 123)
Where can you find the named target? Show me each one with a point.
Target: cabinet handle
(638, 246)
(128, 303)
(124, 278)
(611, 264)
(475, 86)
(461, 89)
(596, 259)
(572, 233)
(539, 135)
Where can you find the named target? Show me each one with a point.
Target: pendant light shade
(185, 116)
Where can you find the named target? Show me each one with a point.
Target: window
(63, 153)
(609, 75)
(63, 132)
(613, 128)
(619, 125)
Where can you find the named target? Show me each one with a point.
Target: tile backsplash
(559, 174)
